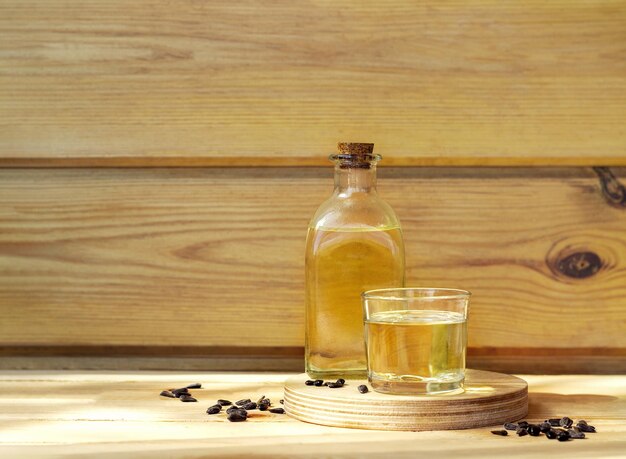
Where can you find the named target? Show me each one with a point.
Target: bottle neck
(350, 180)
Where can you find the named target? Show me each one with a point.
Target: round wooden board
(489, 399)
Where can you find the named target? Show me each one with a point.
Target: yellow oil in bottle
(341, 263)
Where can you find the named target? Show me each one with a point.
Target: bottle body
(354, 243)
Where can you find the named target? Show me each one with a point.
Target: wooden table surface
(118, 414)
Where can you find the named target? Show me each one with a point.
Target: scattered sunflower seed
(309, 382)
(194, 386)
(534, 430)
(179, 392)
(250, 406)
(551, 434)
(521, 431)
(242, 402)
(363, 389)
(566, 422)
(277, 411)
(224, 402)
(562, 436)
(510, 426)
(263, 406)
(575, 435)
(214, 409)
(318, 382)
(586, 428)
(167, 393)
(502, 433)
(187, 398)
(238, 416)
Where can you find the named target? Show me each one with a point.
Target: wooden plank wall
(137, 229)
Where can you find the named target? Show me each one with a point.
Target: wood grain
(489, 399)
(222, 83)
(212, 259)
(116, 414)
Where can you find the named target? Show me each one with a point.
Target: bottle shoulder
(364, 210)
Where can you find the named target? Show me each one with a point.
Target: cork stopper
(355, 155)
(356, 149)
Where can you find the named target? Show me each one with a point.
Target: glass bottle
(354, 243)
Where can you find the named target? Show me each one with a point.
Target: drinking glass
(416, 339)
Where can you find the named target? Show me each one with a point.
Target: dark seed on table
(551, 434)
(309, 382)
(334, 385)
(167, 393)
(250, 406)
(510, 426)
(534, 430)
(261, 398)
(179, 392)
(214, 409)
(582, 421)
(562, 436)
(521, 431)
(544, 427)
(575, 434)
(237, 416)
(586, 428)
(318, 382)
(194, 386)
(363, 389)
(263, 406)
(232, 409)
(554, 422)
(502, 433)
(242, 402)
(566, 422)
(187, 398)
(341, 381)
(281, 401)
(240, 411)
(277, 411)
(224, 402)
(522, 424)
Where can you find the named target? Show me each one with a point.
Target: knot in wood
(614, 192)
(580, 265)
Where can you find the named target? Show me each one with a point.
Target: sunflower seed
(277, 411)
(214, 409)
